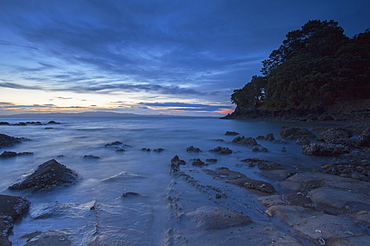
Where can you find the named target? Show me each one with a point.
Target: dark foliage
(313, 68)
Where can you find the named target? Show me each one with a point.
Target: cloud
(19, 86)
(179, 106)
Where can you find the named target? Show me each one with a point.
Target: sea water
(105, 179)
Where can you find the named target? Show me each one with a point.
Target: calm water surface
(147, 173)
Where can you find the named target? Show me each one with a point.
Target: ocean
(131, 188)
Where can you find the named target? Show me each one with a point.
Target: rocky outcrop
(332, 135)
(222, 150)
(229, 133)
(269, 137)
(47, 176)
(12, 207)
(245, 141)
(8, 154)
(198, 162)
(364, 138)
(193, 149)
(325, 149)
(6, 140)
(175, 164)
(295, 133)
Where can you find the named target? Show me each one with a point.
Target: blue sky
(146, 57)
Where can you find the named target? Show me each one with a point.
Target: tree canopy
(315, 66)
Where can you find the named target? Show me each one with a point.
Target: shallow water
(143, 219)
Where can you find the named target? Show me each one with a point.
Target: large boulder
(295, 133)
(364, 138)
(46, 176)
(324, 149)
(6, 140)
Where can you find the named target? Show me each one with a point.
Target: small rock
(192, 149)
(245, 141)
(231, 133)
(175, 164)
(198, 162)
(91, 157)
(294, 133)
(221, 150)
(158, 150)
(364, 138)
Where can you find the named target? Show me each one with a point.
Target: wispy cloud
(179, 106)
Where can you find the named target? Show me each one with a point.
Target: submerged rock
(193, 149)
(6, 140)
(231, 133)
(198, 162)
(46, 176)
(269, 137)
(7, 154)
(245, 141)
(213, 218)
(175, 164)
(324, 149)
(91, 157)
(294, 133)
(114, 144)
(222, 150)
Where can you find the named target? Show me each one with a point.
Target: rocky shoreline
(325, 206)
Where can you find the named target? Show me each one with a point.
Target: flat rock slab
(215, 218)
(315, 226)
(46, 176)
(340, 199)
(47, 238)
(287, 199)
(240, 179)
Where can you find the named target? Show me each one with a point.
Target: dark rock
(48, 128)
(6, 140)
(222, 150)
(240, 179)
(332, 135)
(145, 149)
(175, 164)
(130, 194)
(256, 149)
(46, 176)
(7, 154)
(245, 141)
(294, 133)
(283, 149)
(158, 150)
(268, 166)
(120, 150)
(269, 137)
(231, 133)
(91, 157)
(4, 123)
(53, 122)
(113, 144)
(213, 218)
(324, 149)
(11, 208)
(192, 149)
(303, 141)
(259, 185)
(198, 162)
(364, 138)
(211, 160)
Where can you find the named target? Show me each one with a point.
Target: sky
(147, 57)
